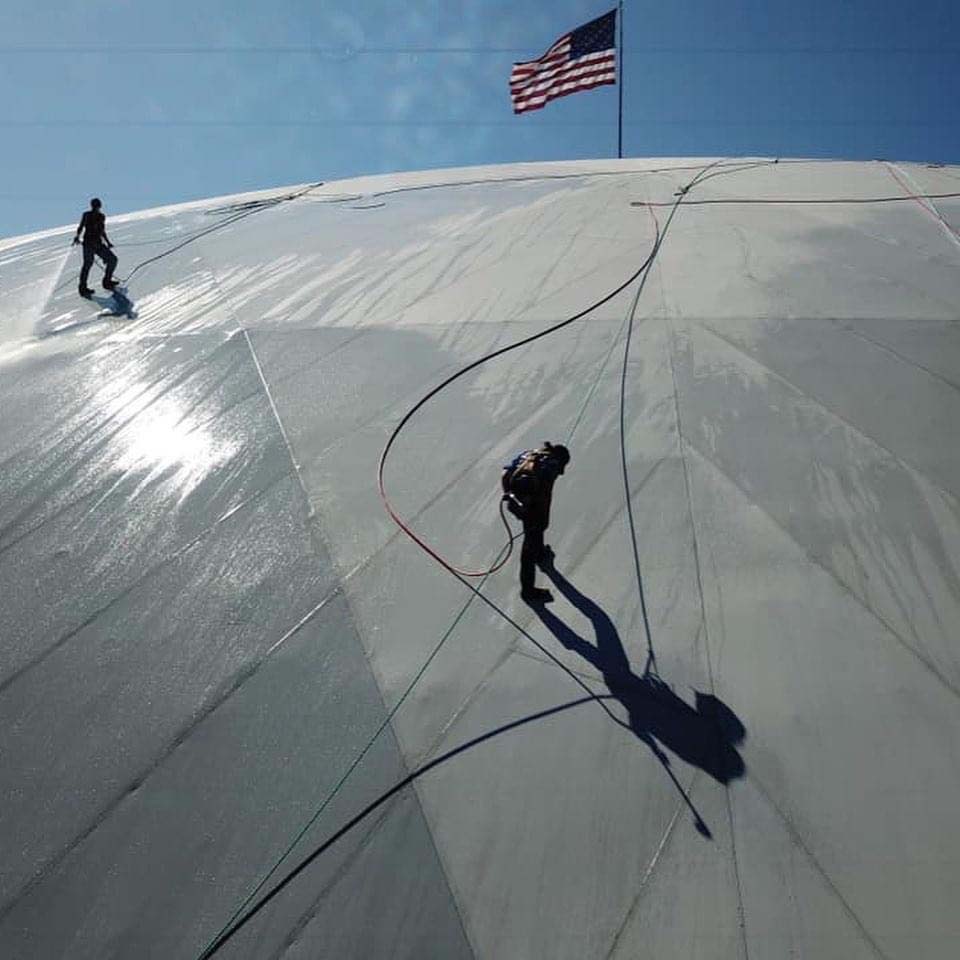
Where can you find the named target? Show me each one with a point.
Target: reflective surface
(206, 613)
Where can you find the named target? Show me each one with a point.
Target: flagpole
(620, 83)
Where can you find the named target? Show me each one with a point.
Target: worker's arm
(80, 226)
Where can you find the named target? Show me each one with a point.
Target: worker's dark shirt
(535, 491)
(93, 224)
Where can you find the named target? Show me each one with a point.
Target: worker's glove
(76, 240)
(514, 505)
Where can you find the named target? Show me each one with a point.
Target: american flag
(580, 60)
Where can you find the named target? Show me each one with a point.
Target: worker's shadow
(704, 735)
(113, 306)
(116, 304)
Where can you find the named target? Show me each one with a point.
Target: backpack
(521, 474)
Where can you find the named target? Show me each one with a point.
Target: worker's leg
(530, 554)
(88, 254)
(109, 259)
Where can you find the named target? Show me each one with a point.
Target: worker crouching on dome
(527, 489)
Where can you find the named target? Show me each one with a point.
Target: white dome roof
(208, 615)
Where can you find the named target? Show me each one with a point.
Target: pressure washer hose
(400, 522)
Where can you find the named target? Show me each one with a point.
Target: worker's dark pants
(531, 553)
(101, 250)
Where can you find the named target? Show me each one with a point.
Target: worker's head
(559, 453)
(95, 203)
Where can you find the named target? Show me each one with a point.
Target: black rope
(241, 916)
(651, 664)
(243, 211)
(800, 200)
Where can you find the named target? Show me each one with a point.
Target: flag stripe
(542, 97)
(580, 60)
(562, 70)
(536, 105)
(551, 50)
(578, 75)
(535, 66)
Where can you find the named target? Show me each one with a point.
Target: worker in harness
(527, 490)
(96, 243)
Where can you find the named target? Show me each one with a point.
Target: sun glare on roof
(168, 439)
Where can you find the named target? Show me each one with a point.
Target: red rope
(397, 519)
(920, 198)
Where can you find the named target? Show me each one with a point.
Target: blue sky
(155, 103)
